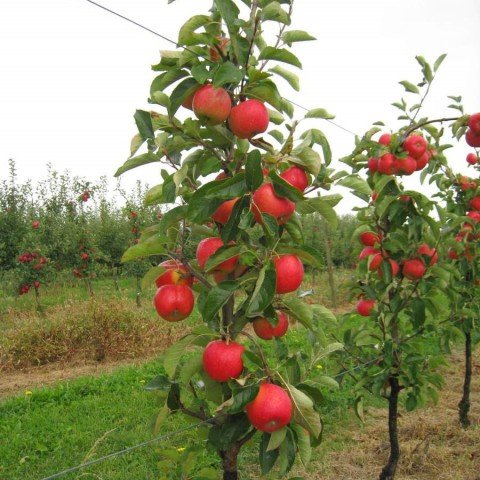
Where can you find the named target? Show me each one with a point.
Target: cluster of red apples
(375, 255)
(36, 262)
(472, 136)
(412, 157)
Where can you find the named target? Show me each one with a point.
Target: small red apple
(176, 274)
(223, 212)
(36, 285)
(85, 197)
(404, 198)
(413, 269)
(387, 165)
(222, 360)
(264, 329)
(365, 307)
(271, 409)
(369, 238)
(424, 249)
(211, 105)
(475, 216)
(366, 252)
(422, 161)
(297, 177)
(385, 139)
(374, 197)
(174, 302)
(207, 247)
(472, 159)
(84, 256)
(248, 119)
(407, 165)
(474, 123)
(265, 200)
(372, 165)
(35, 224)
(394, 267)
(375, 262)
(475, 203)
(289, 269)
(472, 139)
(415, 145)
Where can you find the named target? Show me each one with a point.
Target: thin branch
(412, 128)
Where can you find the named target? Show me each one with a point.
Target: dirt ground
(434, 445)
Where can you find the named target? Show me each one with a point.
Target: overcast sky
(72, 75)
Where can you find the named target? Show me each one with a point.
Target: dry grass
(85, 331)
(434, 445)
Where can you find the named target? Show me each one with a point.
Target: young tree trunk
(138, 296)
(388, 472)
(37, 301)
(90, 287)
(331, 280)
(464, 405)
(115, 277)
(229, 463)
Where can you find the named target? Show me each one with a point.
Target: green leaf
(296, 36)
(299, 310)
(150, 277)
(201, 73)
(321, 206)
(319, 113)
(276, 439)
(161, 82)
(287, 454)
(160, 382)
(171, 217)
(191, 367)
(253, 170)
(439, 61)
(174, 353)
(242, 396)
(323, 315)
(280, 55)
(304, 413)
(231, 228)
(187, 35)
(303, 444)
(358, 408)
(180, 93)
(154, 245)
(233, 429)
(266, 91)
(267, 459)
(409, 87)
(221, 255)
(309, 159)
(308, 254)
(262, 295)
(356, 183)
(227, 73)
(217, 297)
(284, 189)
(290, 77)
(144, 124)
(274, 11)
(138, 161)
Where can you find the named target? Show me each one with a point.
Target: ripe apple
(211, 105)
(472, 159)
(387, 164)
(366, 252)
(475, 216)
(222, 43)
(472, 139)
(422, 161)
(394, 267)
(84, 256)
(407, 165)
(223, 212)
(289, 269)
(264, 329)
(207, 247)
(365, 307)
(36, 284)
(174, 302)
(35, 224)
(297, 177)
(375, 262)
(188, 102)
(176, 274)
(372, 165)
(248, 119)
(424, 249)
(271, 409)
(475, 203)
(415, 145)
(385, 139)
(404, 198)
(265, 200)
(369, 238)
(413, 269)
(222, 360)
(474, 123)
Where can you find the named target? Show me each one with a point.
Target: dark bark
(464, 405)
(229, 462)
(388, 472)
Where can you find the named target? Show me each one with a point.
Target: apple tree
(236, 187)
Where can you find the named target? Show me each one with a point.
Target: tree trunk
(37, 301)
(331, 280)
(464, 405)
(115, 277)
(388, 472)
(229, 463)
(138, 296)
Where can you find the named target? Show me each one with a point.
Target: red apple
(393, 264)
(248, 119)
(472, 139)
(207, 247)
(472, 159)
(475, 203)
(475, 216)
(474, 123)
(375, 262)
(387, 164)
(413, 269)
(222, 360)
(415, 145)
(176, 274)
(188, 102)
(385, 139)
(289, 269)
(36, 284)
(365, 307)
(424, 249)
(407, 165)
(212, 105)
(265, 200)
(174, 302)
(222, 43)
(223, 212)
(297, 177)
(404, 198)
(372, 165)
(369, 238)
(264, 329)
(366, 252)
(271, 409)
(422, 161)
(84, 256)
(35, 224)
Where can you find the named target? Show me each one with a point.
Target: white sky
(72, 75)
